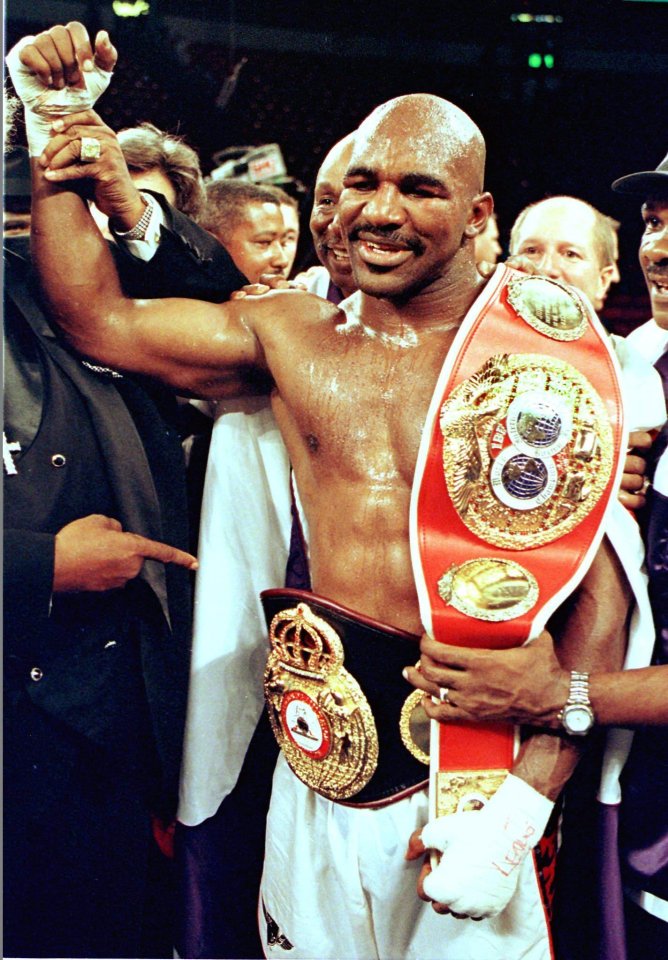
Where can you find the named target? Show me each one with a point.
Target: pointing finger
(154, 550)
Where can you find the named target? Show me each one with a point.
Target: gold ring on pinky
(646, 484)
(89, 150)
(443, 694)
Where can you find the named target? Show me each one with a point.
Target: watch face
(578, 718)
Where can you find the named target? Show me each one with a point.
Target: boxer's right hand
(57, 73)
(482, 851)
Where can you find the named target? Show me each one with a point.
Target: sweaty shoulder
(286, 310)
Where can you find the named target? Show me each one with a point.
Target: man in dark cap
(644, 812)
(651, 338)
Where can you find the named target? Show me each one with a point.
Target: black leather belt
(336, 698)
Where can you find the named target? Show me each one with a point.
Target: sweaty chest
(363, 405)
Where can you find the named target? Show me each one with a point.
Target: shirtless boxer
(349, 391)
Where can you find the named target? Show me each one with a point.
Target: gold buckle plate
(320, 717)
(464, 790)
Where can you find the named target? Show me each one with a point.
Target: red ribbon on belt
(442, 534)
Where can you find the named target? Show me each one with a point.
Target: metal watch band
(577, 716)
(579, 691)
(138, 232)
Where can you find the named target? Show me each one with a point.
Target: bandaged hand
(55, 74)
(483, 850)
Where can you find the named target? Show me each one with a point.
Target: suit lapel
(122, 448)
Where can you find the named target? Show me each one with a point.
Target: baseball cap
(645, 183)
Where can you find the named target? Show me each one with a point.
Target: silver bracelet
(138, 232)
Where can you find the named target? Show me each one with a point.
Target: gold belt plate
(415, 726)
(320, 717)
(489, 588)
(466, 789)
(527, 449)
(550, 307)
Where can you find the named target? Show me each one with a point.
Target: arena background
(570, 94)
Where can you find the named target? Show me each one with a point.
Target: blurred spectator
(163, 163)
(172, 165)
(246, 218)
(290, 236)
(333, 280)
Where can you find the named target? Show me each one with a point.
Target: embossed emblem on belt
(548, 306)
(318, 712)
(527, 449)
(414, 726)
(489, 588)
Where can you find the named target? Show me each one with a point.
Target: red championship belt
(520, 457)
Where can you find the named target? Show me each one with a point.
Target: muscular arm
(631, 697)
(194, 346)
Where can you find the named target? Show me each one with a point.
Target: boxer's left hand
(482, 851)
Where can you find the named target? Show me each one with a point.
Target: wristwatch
(138, 232)
(577, 716)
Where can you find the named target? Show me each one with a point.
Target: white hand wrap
(483, 850)
(44, 105)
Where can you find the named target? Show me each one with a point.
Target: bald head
(581, 214)
(334, 165)
(439, 133)
(412, 201)
(569, 240)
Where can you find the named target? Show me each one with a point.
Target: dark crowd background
(570, 94)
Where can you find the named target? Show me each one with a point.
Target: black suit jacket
(84, 447)
(189, 262)
(133, 463)
(95, 683)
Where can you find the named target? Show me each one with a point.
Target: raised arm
(195, 347)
